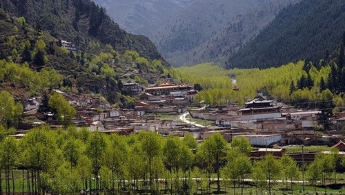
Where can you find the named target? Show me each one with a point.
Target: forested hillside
(307, 30)
(305, 84)
(79, 21)
(34, 61)
(142, 17)
(208, 30)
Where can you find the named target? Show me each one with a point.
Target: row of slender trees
(67, 161)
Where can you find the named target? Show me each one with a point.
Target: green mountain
(306, 30)
(79, 21)
(142, 17)
(208, 30)
(71, 45)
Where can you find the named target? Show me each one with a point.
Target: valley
(238, 98)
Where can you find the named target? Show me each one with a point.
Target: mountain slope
(207, 30)
(300, 31)
(232, 36)
(32, 43)
(142, 17)
(79, 21)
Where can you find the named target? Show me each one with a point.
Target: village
(169, 110)
(267, 124)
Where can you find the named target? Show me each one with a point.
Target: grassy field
(249, 189)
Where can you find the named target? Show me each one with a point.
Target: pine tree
(26, 55)
(322, 84)
(309, 81)
(292, 87)
(302, 82)
(39, 60)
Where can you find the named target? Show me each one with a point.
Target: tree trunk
(32, 182)
(39, 185)
(234, 187)
(291, 185)
(28, 180)
(23, 184)
(113, 181)
(150, 172)
(242, 185)
(12, 181)
(218, 179)
(171, 183)
(7, 180)
(0, 181)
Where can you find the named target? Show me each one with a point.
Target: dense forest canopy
(306, 30)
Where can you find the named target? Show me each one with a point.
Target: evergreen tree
(39, 60)
(292, 87)
(326, 107)
(302, 82)
(26, 55)
(322, 84)
(309, 81)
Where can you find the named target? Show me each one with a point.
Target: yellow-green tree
(10, 111)
(213, 153)
(64, 111)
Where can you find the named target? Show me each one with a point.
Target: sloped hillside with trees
(142, 17)
(79, 21)
(206, 30)
(307, 30)
(306, 84)
(32, 62)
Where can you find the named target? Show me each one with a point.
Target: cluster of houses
(262, 121)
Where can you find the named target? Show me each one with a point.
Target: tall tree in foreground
(213, 153)
(258, 176)
(272, 168)
(237, 168)
(95, 150)
(290, 170)
(152, 147)
(115, 158)
(8, 160)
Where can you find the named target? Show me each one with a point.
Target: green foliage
(64, 111)
(218, 83)
(237, 168)
(290, 170)
(68, 160)
(321, 169)
(213, 154)
(293, 35)
(278, 83)
(140, 80)
(241, 145)
(89, 71)
(271, 167)
(10, 111)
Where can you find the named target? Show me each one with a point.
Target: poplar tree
(64, 111)
(213, 153)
